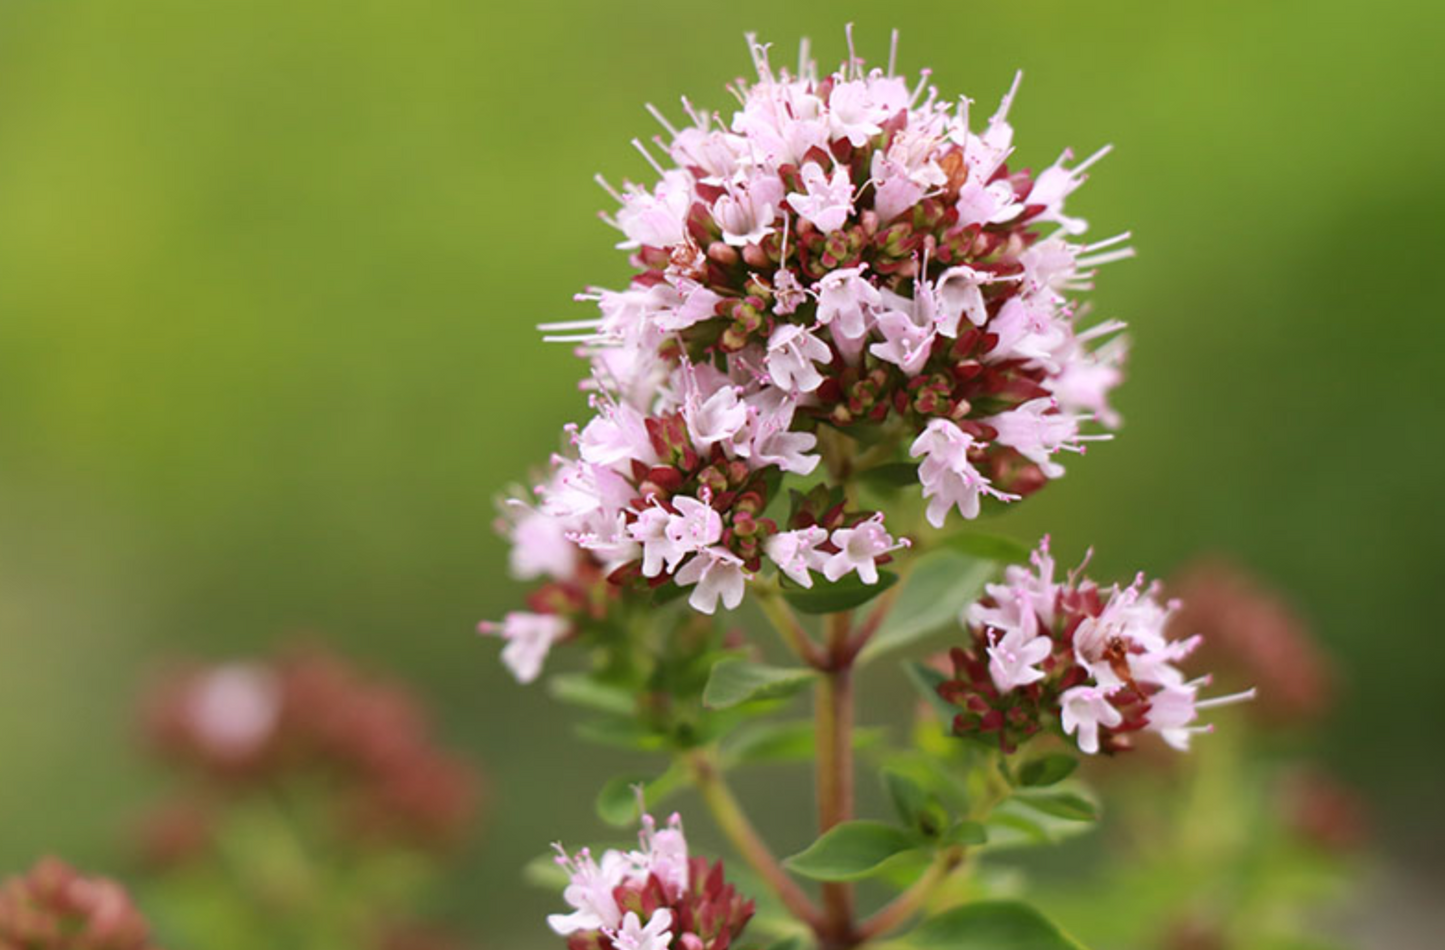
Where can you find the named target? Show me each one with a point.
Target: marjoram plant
(843, 294)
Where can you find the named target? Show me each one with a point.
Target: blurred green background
(269, 273)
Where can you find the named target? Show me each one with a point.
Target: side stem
(905, 905)
(734, 823)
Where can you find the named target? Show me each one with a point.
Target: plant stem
(911, 901)
(734, 823)
(776, 609)
(834, 711)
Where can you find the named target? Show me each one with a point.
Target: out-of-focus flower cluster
(1095, 663)
(1252, 634)
(654, 898)
(845, 256)
(307, 714)
(54, 907)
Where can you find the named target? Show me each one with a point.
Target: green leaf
(966, 832)
(926, 680)
(908, 797)
(579, 689)
(766, 742)
(991, 547)
(941, 585)
(1014, 825)
(891, 476)
(852, 851)
(736, 681)
(831, 597)
(617, 801)
(543, 872)
(1065, 805)
(989, 925)
(621, 733)
(1048, 770)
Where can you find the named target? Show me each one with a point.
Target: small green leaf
(1047, 770)
(1016, 825)
(1061, 805)
(831, 597)
(991, 547)
(544, 872)
(940, 586)
(621, 734)
(617, 801)
(736, 681)
(966, 832)
(579, 689)
(766, 742)
(926, 680)
(852, 851)
(989, 925)
(908, 797)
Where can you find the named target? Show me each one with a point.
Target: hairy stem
(734, 823)
(905, 905)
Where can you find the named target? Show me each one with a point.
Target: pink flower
(796, 552)
(540, 547)
(959, 293)
(718, 418)
(792, 351)
(986, 204)
(905, 343)
(695, 526)
(618, 434)
(857, 109)
(1083, 709)
(658, 549)
(859, 548)
(745, 214)
(658, 218)
(590, 892)
(657, 935)
(846, 301)
(1027, 332)
(663, 855)
(949, 479)
(1056, 183)
(718, 574)
(1014, 656)
(529, 639)
(895, 191)
(234, 708)
(788, 293)
(828, 201)
(1038, 430)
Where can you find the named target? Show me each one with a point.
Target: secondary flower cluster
(654, 898)
(1093, 662)
(845, 253)
(56, 908)
(263, 721)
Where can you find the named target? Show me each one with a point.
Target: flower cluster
(262, 721)
(1252, 634)
(1095, 663)
(654, 898)
(845, 257)
(56, 908)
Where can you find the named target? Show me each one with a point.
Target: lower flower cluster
(54, 907)
(654, 898)
(1094, 663)
(305, 713)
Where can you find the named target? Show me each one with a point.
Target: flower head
(652, 898)
(54, 907)
(1095, 664)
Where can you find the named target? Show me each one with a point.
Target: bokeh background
(269, 272)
